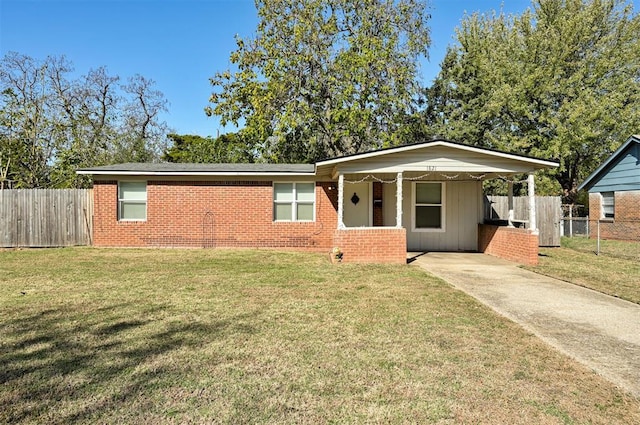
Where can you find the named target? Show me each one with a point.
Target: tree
(324, 77)
(227, 148)
(26, 132)
(146, 141)
(52, 124)
(560, 81)
(88, 109)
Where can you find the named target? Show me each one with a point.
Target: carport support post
(399, 201)
(511, 216)
(532, 204)
(341, 201)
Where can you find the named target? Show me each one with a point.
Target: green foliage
(560, 81)
(324, 77)
(227, 148)
(51, 125)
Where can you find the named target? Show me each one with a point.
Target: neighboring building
(374, 206)
(614, 194)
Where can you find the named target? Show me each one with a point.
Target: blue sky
(178, 44)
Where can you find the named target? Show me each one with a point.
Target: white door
(357, 205)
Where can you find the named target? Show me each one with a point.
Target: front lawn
(616, 271)
(246, 336)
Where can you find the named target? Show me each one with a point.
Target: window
(608, 204)
(428, 206)
(132, 201)
(294, 201)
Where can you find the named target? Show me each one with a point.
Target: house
(375, 206)
(614, 194)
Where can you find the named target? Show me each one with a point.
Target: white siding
(389, 204)
(357, 215)
(463, 212)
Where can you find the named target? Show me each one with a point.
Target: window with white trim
(428, 206)
(294, 201)
(132, 201)
(608, 204)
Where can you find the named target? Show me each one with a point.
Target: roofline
(346, 158)
(587, 183)
(192, 173)
(436, 142)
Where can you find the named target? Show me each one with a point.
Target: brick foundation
(625, 226)
(381, 245)
(518, 245)
(212, 214)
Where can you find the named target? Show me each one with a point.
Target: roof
(434, 159)
(436, 142)
(180, 169)
(600, 171)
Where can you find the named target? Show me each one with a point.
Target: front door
(357, 203)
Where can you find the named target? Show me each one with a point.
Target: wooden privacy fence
(548, 214)
(45, 217)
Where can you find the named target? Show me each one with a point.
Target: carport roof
(440, 142)
(441, 157)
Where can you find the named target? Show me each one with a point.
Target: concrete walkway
(599, 331)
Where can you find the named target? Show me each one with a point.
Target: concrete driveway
(598, 330)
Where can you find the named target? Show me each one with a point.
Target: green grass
(615, 272)
(244, 336)
(625, 250)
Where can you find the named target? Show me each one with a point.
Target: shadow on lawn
(63, 367)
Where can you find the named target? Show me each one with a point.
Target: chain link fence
(613, 238)
(617, 238)
(574, 220)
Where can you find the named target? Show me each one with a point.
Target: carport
(432, 190)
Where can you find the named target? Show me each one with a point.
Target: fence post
(587, 222)
(510, 213)
(532, 204)
(571, 220)
(598, 243)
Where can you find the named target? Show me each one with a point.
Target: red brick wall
(519, 245)
(626, 223)
(210, 214)
(595, 212)
(382, 245)
(627, 205)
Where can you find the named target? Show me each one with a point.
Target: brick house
(375, 206)
(614, 194)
